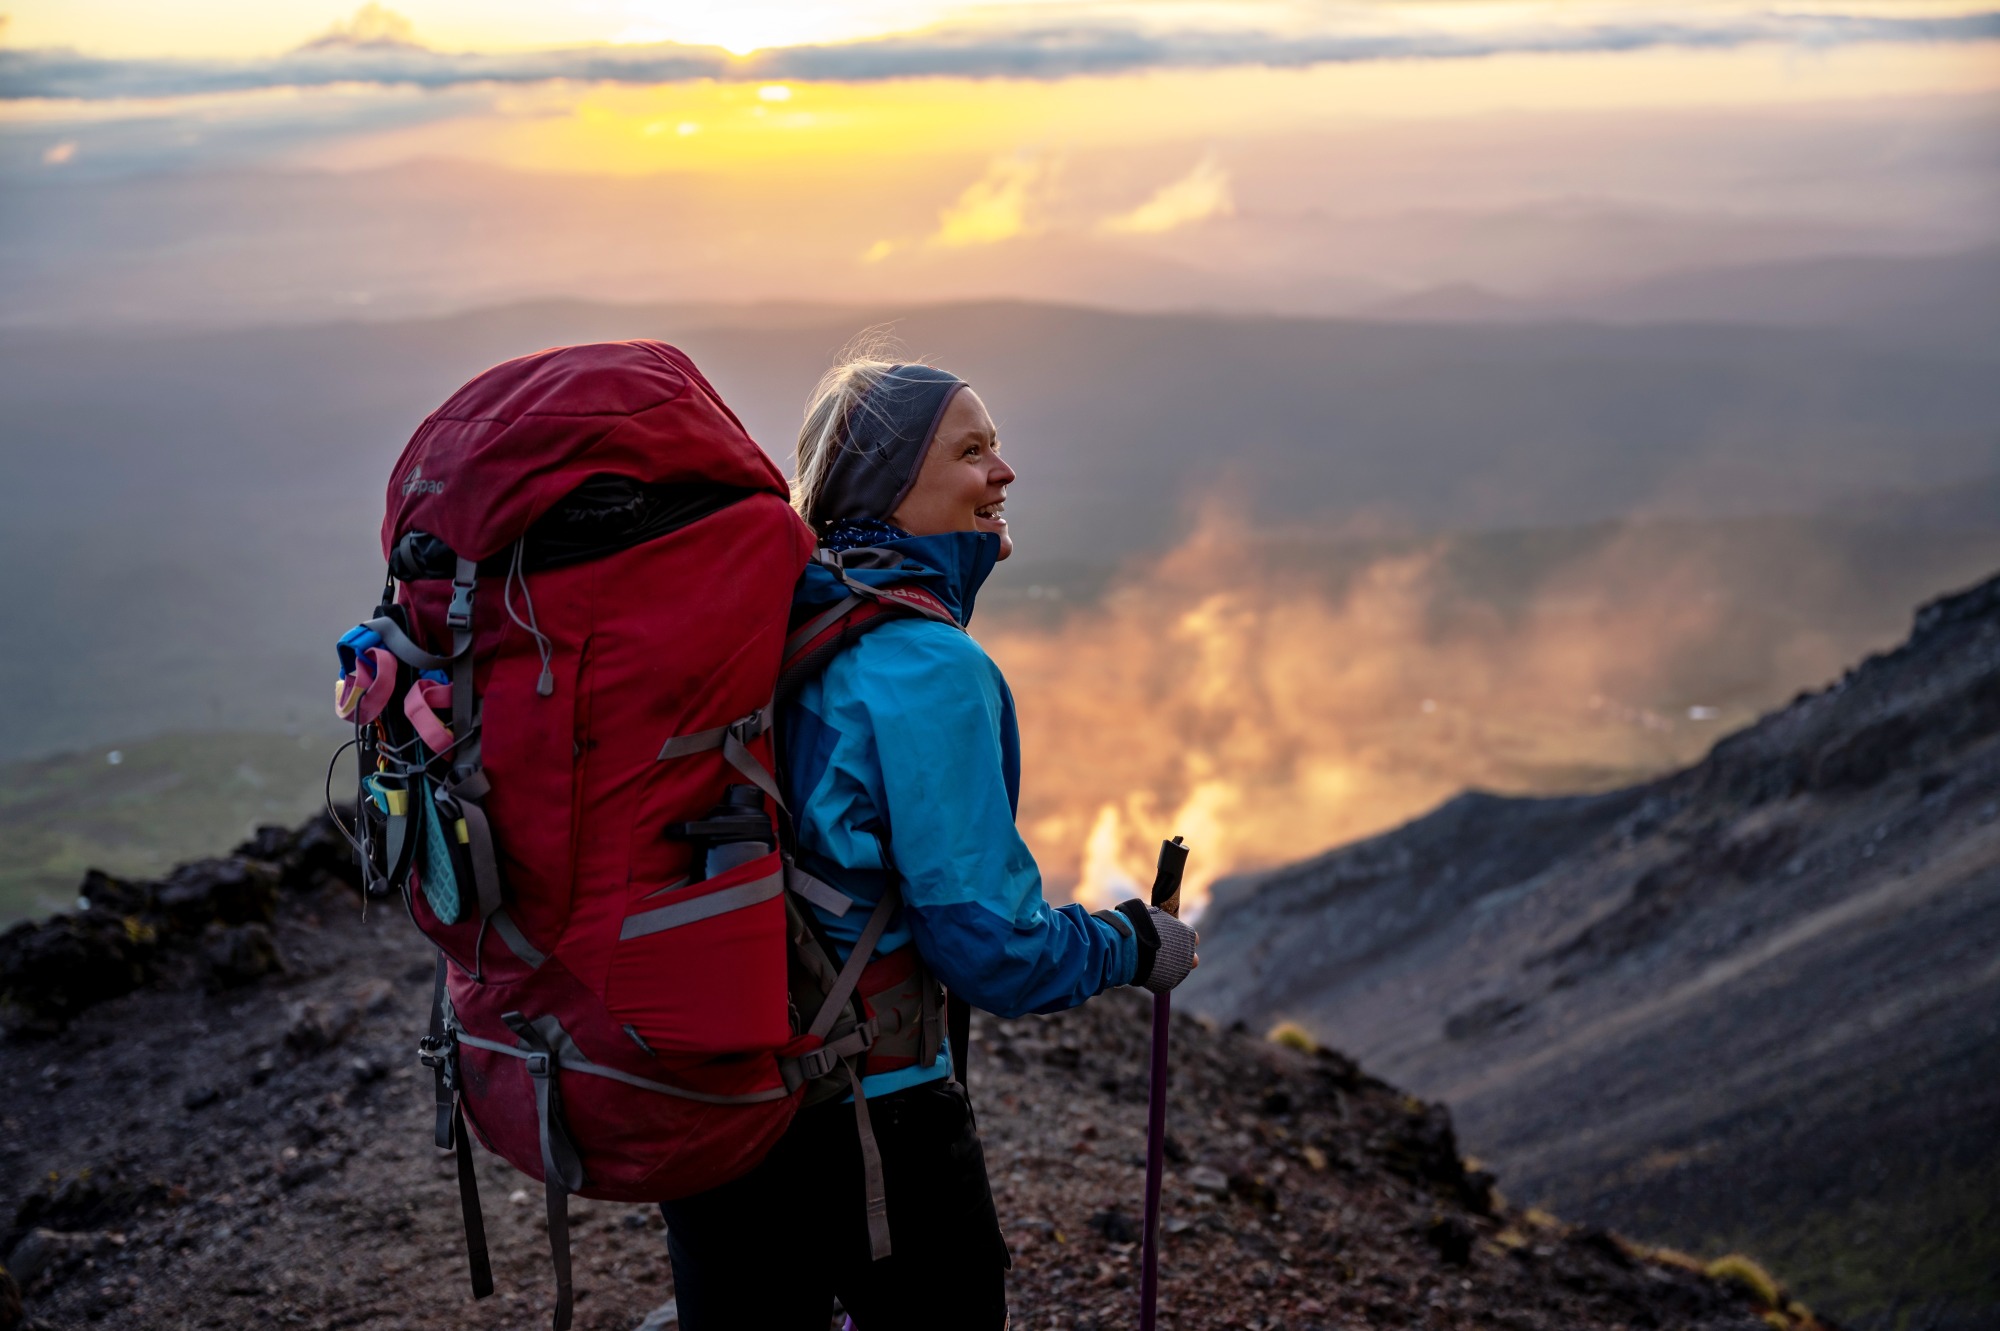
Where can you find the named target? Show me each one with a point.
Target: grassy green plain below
(168, 799)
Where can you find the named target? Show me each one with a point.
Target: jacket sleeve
(943, 732)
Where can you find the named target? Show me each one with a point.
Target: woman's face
(963, 483)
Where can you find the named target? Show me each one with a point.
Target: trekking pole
(1166, 897)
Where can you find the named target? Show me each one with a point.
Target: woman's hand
(1166, 946)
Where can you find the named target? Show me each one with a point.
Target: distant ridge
(1939, 298)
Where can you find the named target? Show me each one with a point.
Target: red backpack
(563, 710)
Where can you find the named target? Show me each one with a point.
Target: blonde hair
(840, 392)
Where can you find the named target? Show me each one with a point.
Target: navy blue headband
(882, 444)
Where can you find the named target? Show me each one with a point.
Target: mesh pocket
(440, 868)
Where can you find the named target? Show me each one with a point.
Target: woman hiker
(900, 765)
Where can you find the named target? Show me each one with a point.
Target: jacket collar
(952, 566)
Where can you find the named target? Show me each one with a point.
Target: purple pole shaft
(1156, 1165)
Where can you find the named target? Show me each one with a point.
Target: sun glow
(933, 125)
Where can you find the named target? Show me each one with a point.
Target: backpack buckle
(538, 1065)
(816, 1063)
(458, 615)
(440, 1055)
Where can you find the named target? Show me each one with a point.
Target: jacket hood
(952, 566)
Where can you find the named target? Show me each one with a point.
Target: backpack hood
(509, 445)
(952, 566)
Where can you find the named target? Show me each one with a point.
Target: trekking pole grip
(1167, 877)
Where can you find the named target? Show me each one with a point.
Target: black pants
(770, 1251)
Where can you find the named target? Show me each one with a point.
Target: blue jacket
(908, 738)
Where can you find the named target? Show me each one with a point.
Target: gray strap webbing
(516, 941)
(468, 784)
(930, 1036)
(738, 755)
(400, 846)
(451, 1135)
(402, 648)
(822, 894)
(837, 563)
(673, 916)
(701, 741)
(562, 1163)
(816, 1063)
(476, 1255)
(479, 841)
(820, 624)
(871, 1168)
(857, 961)
(731, 739)
(958, 1029)
(580, 1064)
(806, 947)
(458, 617)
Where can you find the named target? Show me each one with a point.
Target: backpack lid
(511, 443)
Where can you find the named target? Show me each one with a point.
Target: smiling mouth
(991, 512)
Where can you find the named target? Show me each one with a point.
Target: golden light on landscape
(1266, 716)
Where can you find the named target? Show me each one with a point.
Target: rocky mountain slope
(215, 1119)
(1755, 1001)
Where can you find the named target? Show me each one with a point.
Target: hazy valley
(1562, 537)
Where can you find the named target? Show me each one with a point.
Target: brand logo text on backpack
(417, 485)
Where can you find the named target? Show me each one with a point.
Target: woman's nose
(1002, 474)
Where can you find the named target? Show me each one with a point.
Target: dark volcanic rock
(206, 921)
(227, 891)
(239, 954)
(1750, 1003)
(54, 969)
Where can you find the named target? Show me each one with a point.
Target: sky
(250, 28)
(229, 161)
(246, 163)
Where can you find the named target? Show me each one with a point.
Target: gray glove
(1166, 946)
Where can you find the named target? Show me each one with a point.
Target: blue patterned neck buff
(858, 532)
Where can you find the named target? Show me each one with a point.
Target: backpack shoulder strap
(814, 642)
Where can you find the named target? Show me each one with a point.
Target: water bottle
(735, 832)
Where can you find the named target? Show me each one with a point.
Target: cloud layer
(1045, 51)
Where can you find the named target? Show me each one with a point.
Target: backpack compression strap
(468, 784)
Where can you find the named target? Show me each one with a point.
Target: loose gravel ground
(185, 1156)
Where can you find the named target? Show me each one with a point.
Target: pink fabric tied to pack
(361, 694)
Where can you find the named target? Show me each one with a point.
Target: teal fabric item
(908, 742)
(440, 873)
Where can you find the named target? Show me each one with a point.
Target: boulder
(309, 856)
(232, 891)
(239, 954)
(316, 1027)
(51, 970)
(49, 1252)
(116, 896)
